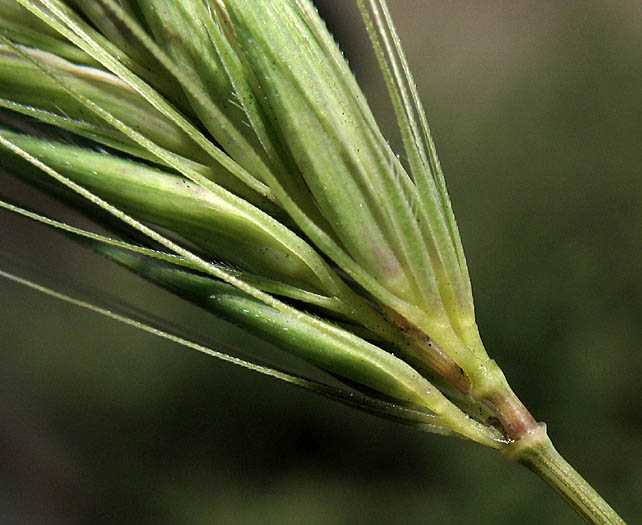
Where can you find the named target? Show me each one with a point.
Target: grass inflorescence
(229, 148)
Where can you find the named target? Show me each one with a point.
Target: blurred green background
(536, 108)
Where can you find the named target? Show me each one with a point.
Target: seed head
(239, 127)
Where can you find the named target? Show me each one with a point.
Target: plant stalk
(536, 451)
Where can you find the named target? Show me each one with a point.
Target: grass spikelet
(229, 150)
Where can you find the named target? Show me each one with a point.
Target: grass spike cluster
(238, 128)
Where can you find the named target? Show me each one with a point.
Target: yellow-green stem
(536, 451)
